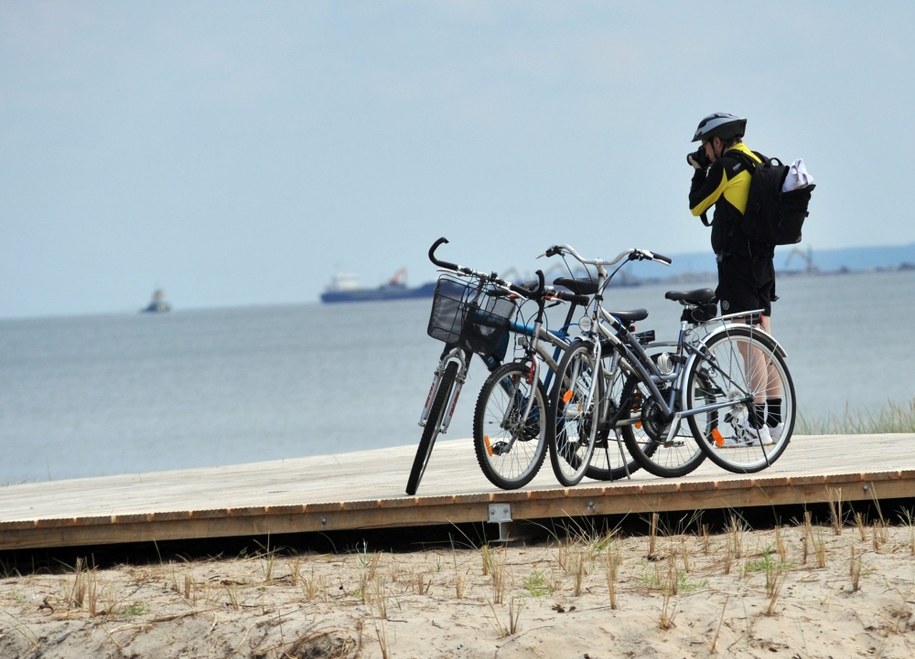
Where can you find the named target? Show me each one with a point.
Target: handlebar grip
(553, 251)
(581, 300)
(442, 264)
(523, 291)
(530, 292)
(648, 255)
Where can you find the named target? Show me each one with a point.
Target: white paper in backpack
(798, 177)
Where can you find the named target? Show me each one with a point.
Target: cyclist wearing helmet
(746, 274)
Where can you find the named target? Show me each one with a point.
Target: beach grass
(894, 417)
(368, 602)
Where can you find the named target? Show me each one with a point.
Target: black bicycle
(471, 315)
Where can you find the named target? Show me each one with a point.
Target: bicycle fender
(765, 336)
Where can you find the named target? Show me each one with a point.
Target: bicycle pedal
(499, 448)
(676, 443)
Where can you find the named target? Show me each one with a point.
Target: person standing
(746, 272)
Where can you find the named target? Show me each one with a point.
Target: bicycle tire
(572, 425)
(721, 372)
(509, 449)
(431, 429)
(612, 460)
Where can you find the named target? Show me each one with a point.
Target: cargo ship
(346, 288)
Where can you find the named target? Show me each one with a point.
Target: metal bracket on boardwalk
(501, 514)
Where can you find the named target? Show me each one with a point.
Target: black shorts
(746, 285)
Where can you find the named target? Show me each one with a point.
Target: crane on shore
(805, 256)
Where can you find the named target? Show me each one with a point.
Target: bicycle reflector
(716, 436)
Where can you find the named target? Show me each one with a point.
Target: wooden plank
(346, 492)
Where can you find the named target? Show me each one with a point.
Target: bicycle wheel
(646, 434)
(573, 412)
(510, 445)
(611, 460)
(737, 367)
(431, 429)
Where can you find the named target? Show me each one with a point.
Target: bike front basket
(468, 314)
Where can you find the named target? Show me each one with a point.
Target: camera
(700, 157)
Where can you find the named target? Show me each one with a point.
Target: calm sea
(132, 393)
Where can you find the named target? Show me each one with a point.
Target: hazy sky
(241, 153)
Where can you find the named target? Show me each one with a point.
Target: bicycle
(471, 317)
(581, 406)
(705, 369)
(509, 428)
(711, 382)
(457, 317)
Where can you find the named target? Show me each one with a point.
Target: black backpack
(772, 217)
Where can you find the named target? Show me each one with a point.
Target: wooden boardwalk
(365, 490)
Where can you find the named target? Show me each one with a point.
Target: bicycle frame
(558, 339)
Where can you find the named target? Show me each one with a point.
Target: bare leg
(774, 385)
(757, 370)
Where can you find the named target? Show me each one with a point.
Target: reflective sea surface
(130, 393)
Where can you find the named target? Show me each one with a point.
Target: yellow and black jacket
(725, 185)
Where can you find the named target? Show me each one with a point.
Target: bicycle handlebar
(442, 264)
(542, 290)
(541, 284)
(489, 276)
(630, 254)
(660, 258)
(448, 265)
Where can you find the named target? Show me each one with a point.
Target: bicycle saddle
(577, 286)
(631, 316)
(697, 296)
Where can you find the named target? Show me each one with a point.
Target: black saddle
(631, 316)
(577, 286)
(698, 296)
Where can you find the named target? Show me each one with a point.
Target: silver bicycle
(609, 383)
(509, 429)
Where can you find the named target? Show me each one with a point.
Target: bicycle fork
(510, 418)
(453, 397)
(581, 407)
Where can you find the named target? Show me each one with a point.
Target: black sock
(759, 413)
(775, 412)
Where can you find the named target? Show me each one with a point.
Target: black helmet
(721, 124)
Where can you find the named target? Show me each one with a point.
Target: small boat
(157, 304)
(345, 288)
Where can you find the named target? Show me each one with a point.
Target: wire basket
(468, 314)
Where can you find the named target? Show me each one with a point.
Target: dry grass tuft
(722, 584)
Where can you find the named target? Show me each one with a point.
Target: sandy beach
(794, 591)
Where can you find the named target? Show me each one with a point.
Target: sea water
(132, 393)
